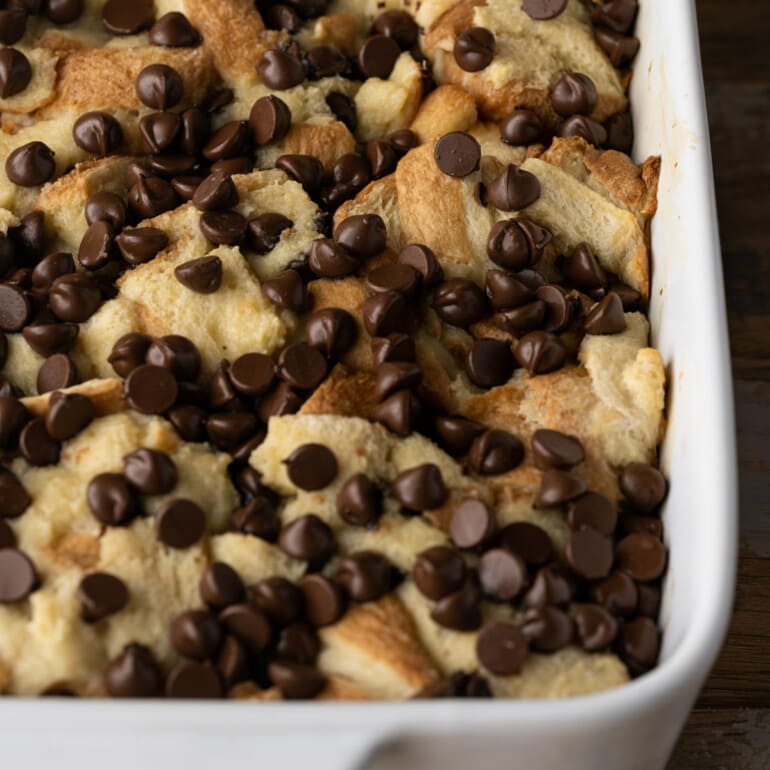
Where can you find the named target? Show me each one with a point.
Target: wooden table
(730, 727)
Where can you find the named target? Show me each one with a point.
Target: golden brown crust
(448, 108)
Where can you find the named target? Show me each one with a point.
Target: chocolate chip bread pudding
(325, 365)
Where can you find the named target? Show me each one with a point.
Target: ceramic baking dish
(630, 728)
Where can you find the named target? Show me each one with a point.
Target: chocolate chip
(150, 471)
(280, 599)
(18, 578)
(309, 539)
(620, 133)
(101, 594)
(606, 317)
(359, 501)
(642, 556)
(513, 189)
(141, 244)
(393, 376)
(287, 290)
(134, 674)
(420, 488)
(579, 125)
(639, 641)
(457, 154)
(13, 24)
(343, 108)
(332, 331)
(13, 417)
(180, 523)
(196, 634)
(596, 628)
(548, 629)
(385, 313)
(127, 17)
(543, 9)
(174, 30)
(620, 49)
(229, 430)
(15, 72)
(30, 165)
(230, 141)
(324, 601)
(177, 354)
(489, 363)
(643, 486)
(516, 244)
(98, 246)
(459, 611)
(150, 389)
(226, 228)
(397, 413)
(616, 15)
(298, 643)
(528, 540)
(382, 158)
(189, 422)
(305, 169)
(552, 449)
(159, 86)
(649, 524)
(221, 586)
(424, 261)
(502, 574)
(252, 374)
(129, 352)
(395, 347)
(474, 49)
(98, 133)
(270, 119)
(351, 172)
(583, 270)
(302, 366)
(265, 231)
(456, 434)
(14, 499)
(589, 553)
(68, 414)
(311, 466)
(649, 600)
(36, 446)
(106, 207)
(363, 235)
(279, 401)
(377, 56)
(111, 499)
(472, 524)
(296, 680)
(403, 140)
(458, 685)
(522, 127)
(460, 302)
(280, 70)
(365, 575)
(63, 11)
(593, 510)
(7, 537)
(151, 196)
(202, 275)
(15, 308)
(551, 586)
(557, 487)
(494, 452)
(330, 260)
(398, 25)
(574, 94)
(617, 593)
(281, 16)
(501, 648)
(56, 373)
(438, 572)
(215, 192)
(194, 680)
(540, 352)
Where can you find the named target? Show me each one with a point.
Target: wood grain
(730, 727)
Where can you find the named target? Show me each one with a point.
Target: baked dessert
(325, 365)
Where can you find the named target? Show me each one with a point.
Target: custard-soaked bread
(529, 57)
(324, 364)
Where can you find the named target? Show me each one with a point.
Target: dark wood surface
(730, 727)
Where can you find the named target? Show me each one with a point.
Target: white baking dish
(631, 728)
